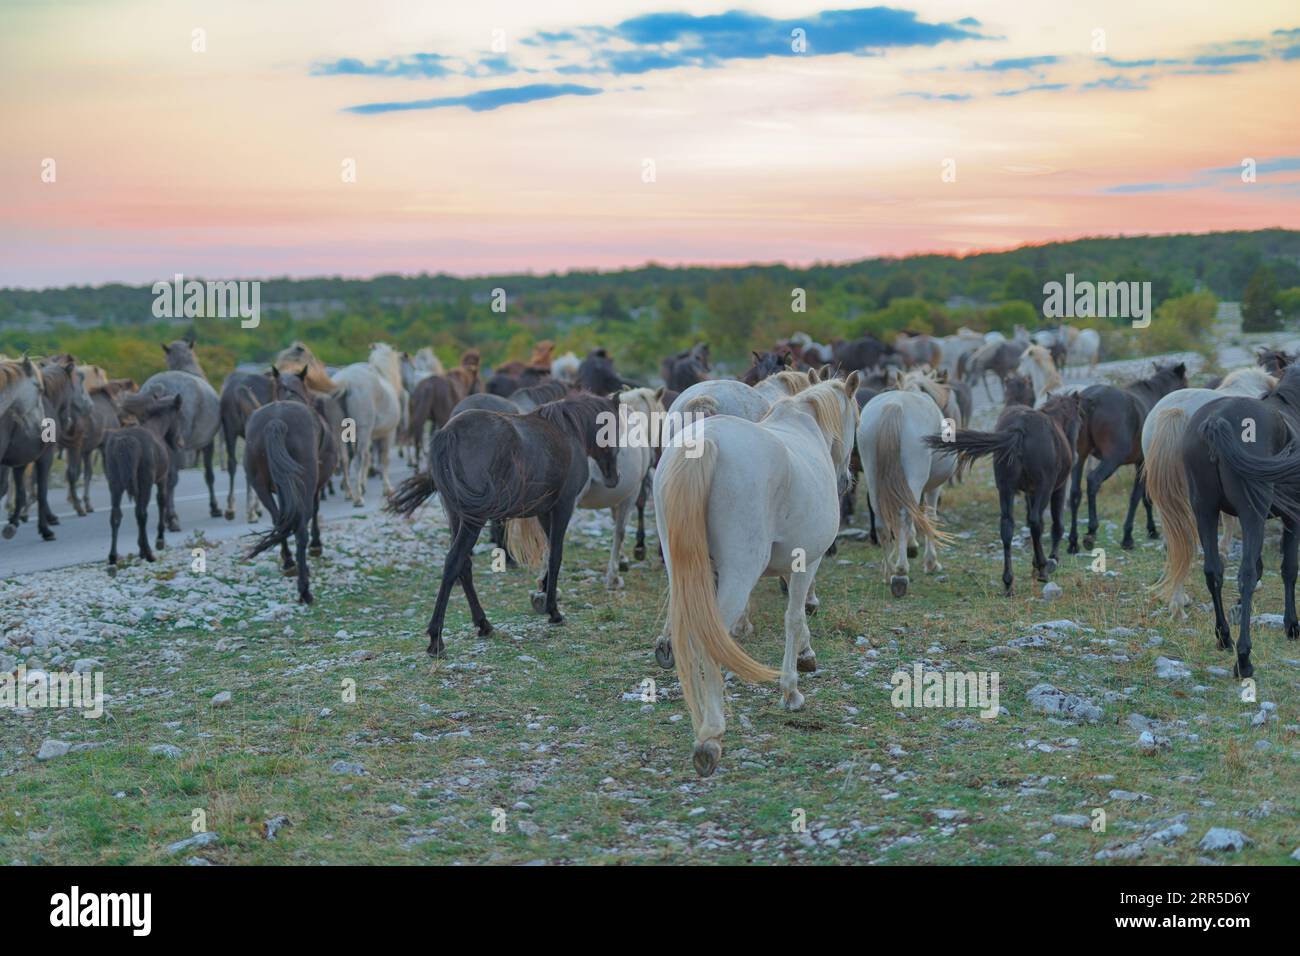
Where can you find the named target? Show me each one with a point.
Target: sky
(259, 138)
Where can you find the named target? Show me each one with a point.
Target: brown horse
(1112, 433)
(138, 459)
(436, 396)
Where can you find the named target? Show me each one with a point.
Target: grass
(522, 747)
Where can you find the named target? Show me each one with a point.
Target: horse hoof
(1050, 566)
(1088, 542)
(314, 551)
(1242, 669)
(706, 757)
(358, 504)
(911, 551)
(1127, 544)
(47, 535)
(484, 628)
(173, 525)
(1293, 631)
(638, 554)
(875, 540)
(160, 545)
(664, 654)
(614, 584)
(792, 700)
(623, 565)
(230, 514)
(538, 601)
(89, 510)
(1072, 548)
(1153, 534)
(148, 556)
(806, 663)
(898, 585)
(214, 511)
(1006, 590)
(436, 647)
(556, 618)
(810, 609)
(52, 519)
(305, 598)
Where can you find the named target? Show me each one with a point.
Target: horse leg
(1006, 528)
(214, 510)
(1136, 495)
(898, 572)
(796, 638)
(1207, 524)
(459, 552)
(385, 445)
(17, 495)
(616, 564)
(467, 585)
(142, 521)
(1290, 546)
(1076, 494)
(1096, 478)
(44, 514)
(231, 466)
(173, 477)
(1036, 504)
(71, 475)
(871, 512)
(363, 469)
(315, 547)
(638, 549)
(114, 521)
(1252, 547)
(930, 500)
(300, 534)
(559, 522)
(160, 542)
(87, 463)
(1152, 531)
(1058, 528)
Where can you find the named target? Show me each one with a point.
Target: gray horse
(200, 419)
(1000, 358)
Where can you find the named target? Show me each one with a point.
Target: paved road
(79, 540)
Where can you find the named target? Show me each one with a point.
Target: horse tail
(891, 481)
(287, 476)
(122, 463)
(970, 445)
(699, 635)
(527, 542)
(1254, 473)
(1166, 481)
(411, 493)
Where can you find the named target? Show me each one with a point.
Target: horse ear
(813, 378)
(827, 373)
(189, 340)
(275, 373)
(659, 393)
(164, 348)
(1180, 369)
(851, 383)
(757, 358)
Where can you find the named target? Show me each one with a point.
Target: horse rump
(287, 476)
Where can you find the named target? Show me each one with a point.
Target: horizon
(321, 140)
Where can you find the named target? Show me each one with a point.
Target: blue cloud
(1034, 88)
(950, 97)
(1227, 59)
(1114, 83)
(483, 99)
(1139, 64)
(416, 65)
(1283, 164)
(1150, 187)
(1017, 63)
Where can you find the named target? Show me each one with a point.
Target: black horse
(1242, 459)
(685, 369)
(489, 466)
(1112, 433)
(138, 459)
(289, 454)
(765, 364)
(863, 354)
(1033, 453)
(596, 373)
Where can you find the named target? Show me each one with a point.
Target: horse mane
(576, 414)
(471, 360)
(1043, 359)
(821, 400)
(939, 393)
(641, 400)
(11, 373)
(318, 380)
(1254, 374)
(792, 382)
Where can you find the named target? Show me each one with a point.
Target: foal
(1033, 452)
(490, 466)
(138, 458)
(1111, 431)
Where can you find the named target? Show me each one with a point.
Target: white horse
(1037, 365)
(1084, 347)
(375, 409)
(426, 363)
(387, 361)
(723, 396)
(565, 368)
(954, 347)
(743, 500)
(904, 477)
(636, 455)
(1162, 451)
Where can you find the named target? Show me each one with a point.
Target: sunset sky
(470, 158)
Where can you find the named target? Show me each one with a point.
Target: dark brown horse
(436, 396)
(137, 460)
(1274, 361)
(87, 434)
(1033, 453)
(1112, 433)
(682, 370)
(1241, 458)
(289, 454)
(765, 364)
(489, 466)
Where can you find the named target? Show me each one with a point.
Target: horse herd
(750, 477)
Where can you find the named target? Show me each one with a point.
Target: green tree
(1259, 303)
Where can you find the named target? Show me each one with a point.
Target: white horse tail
(699, 635)
(527, 542)
(891, 481)
(701, 406)
(1167, 486)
